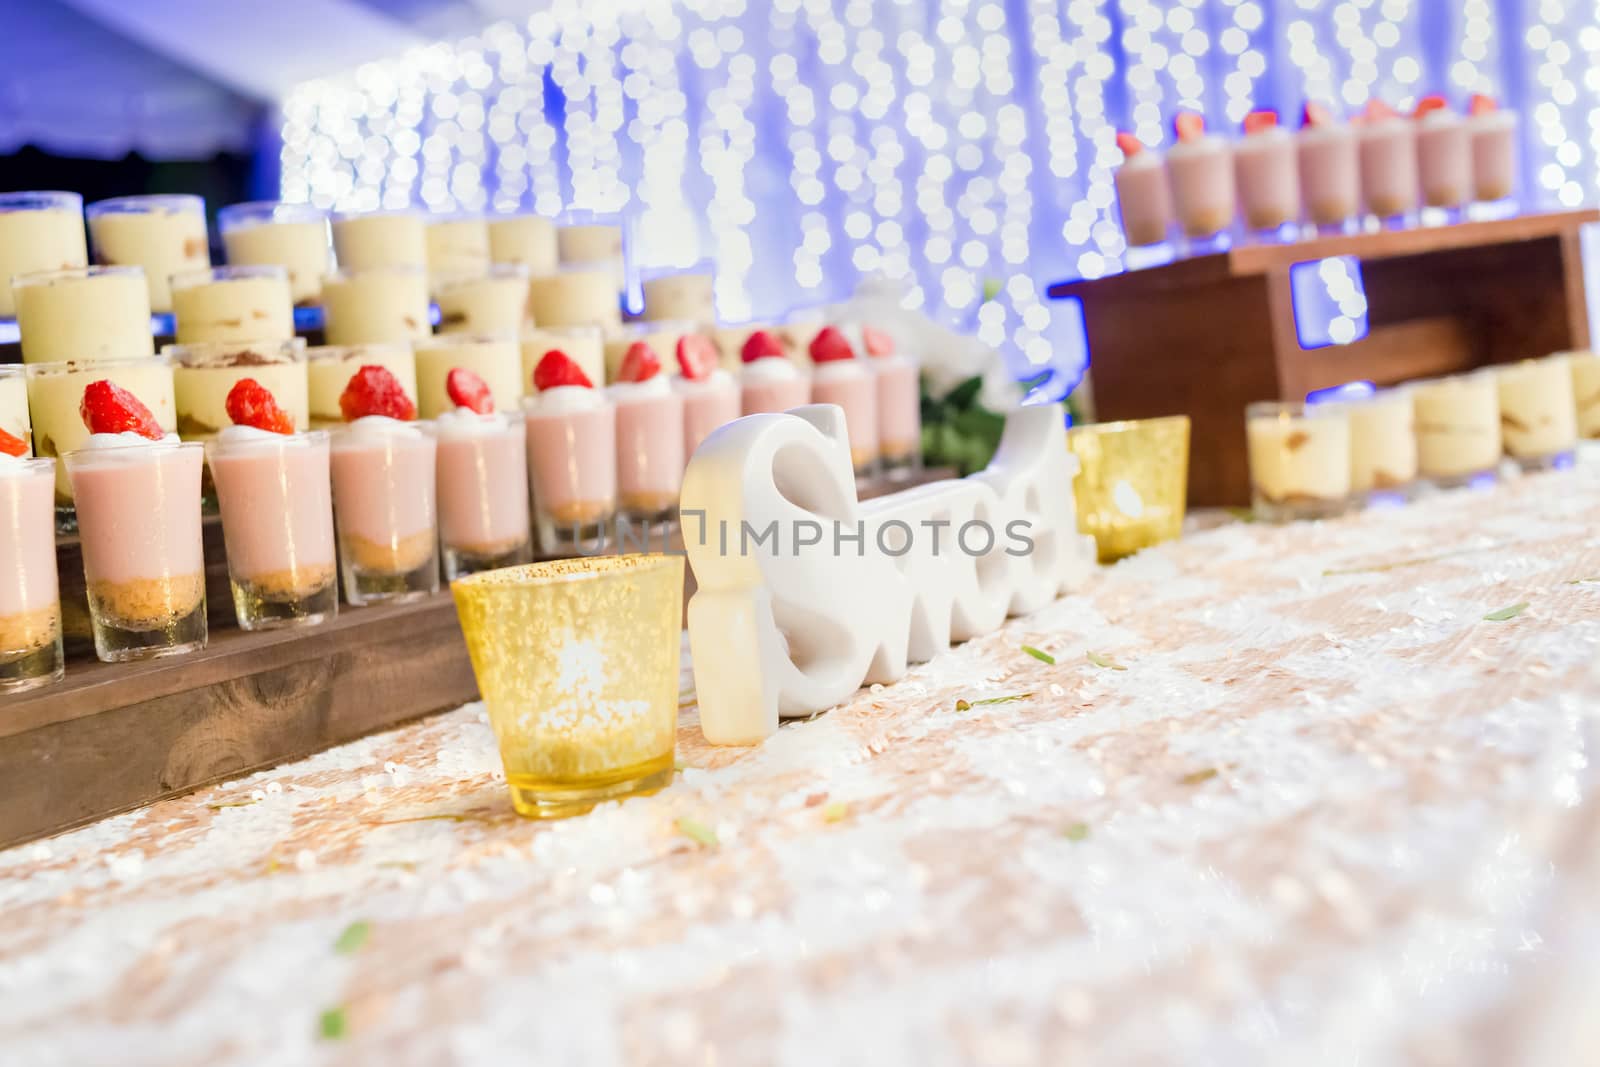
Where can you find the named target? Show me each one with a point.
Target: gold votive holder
(577, 662)
(1133, 482)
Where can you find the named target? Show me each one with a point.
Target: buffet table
(1286, 794)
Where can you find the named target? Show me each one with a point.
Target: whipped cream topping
(564, 399)
(127, 439)
(378, 427)
(771, 369)
(1205, 144)
(651, 388)
(1386, 126)
(1441, 117)
(244, 435)
(464, 422)
(1149, 159)
(1496, 118)
(718, 379)
(11, 466)
(840, 370)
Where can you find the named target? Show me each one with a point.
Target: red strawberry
(1481, 104)
(830, 346)
(1130, 145)
(697, 356)
(876, 342)
(1377, 110)
(1257, 121)
(1315, 114)
(374, 390)
(12, 446)
(1189, 126)
(467, 390)
(109, 408)
(556, 368)
(250, 403)
(639, 363)
(761, 345)
(1431, 103)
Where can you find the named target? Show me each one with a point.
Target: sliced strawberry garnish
(1130, 145)
(761, 345)
(556, 369)
(639, 363)
(250, 403)
(876, 342)
(12, 446)
(1376, 110)
(109, 408)
(1481, 104)
(374, 390)
(467, 390)
(1431, 103)
(830, 346)
(1257, 121)
(697, 356)
(1189, 126)
(1315, 114)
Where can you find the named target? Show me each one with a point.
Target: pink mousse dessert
(770, 381)
(840, 378)
(649, 436)
(1200, 170)
(1494, 149)
(710, 395)
(483, 481)
(137, 492)
(899, 403)
(383, 493)
(1444, 155)
(274, 495)
(1387, 145)
(1329, 169)
(572, 454)
(1142, 195)
(30, 604)
(1266, 172)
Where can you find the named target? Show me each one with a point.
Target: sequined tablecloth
(1310, 794)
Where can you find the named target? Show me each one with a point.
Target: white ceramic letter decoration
(803, 593)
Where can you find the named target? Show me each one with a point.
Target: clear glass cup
(1383, 446)
(329, 369)
(1585, 367)
(585, 345)
(483, 492)
(39, 231)
(525, 239)
(383, 507)
(578, 663)
(852, 385)
(596, 238)
(30, 601)
(490, 303)
(681, 294)
(273, 233)
(139, 530)
(497, 361)
(1538, 412)
(377, 304)
(374, 240)
(899, 414)
(457, 245)
(572, 472)
(14, 418)
(275, 497)
(1132, 483)
(1458, 428)
(83, 314)
(235, 304)
(164, 234)
(1299, 460)
(579, 294)
(204, 373)
(649, 419)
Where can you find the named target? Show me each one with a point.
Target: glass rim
(83, 366)
(147, 203)
(262, 212)
(94, 270)
(42, 466)
(528, 337)
(337, 435)
(13, 370)
(558, 572)
(380, 212)
(300, 438)
(493, 217)
(343, 353)
(530, 402)
(1119, 426)
(1297, 408)
(648, 327)
(410, 270)
(496, 272)
(605, 268)
(231, 272)
(123, 450)
(40, 200)
(447, 218)
(460, 340)
(198, 354)
(516, 418)
(704, 268)
(587, 217)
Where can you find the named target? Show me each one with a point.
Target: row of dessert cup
(400, 496)
(167, 235)
(1319, 460)
(1269, 180)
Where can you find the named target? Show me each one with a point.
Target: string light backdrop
(964, 147)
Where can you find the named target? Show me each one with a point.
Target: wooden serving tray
(112, 737)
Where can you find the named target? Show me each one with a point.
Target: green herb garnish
(1506, 613)
(355, 935)
(697, 831)
(1039, 654)
(1104, 662)
(1196, 777)
(968, 705)
(233, 804)
(1075, 831)
(331, 1024)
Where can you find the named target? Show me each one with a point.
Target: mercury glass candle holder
(577, 661)
(1133, 482)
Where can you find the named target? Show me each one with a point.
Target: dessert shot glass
(383, 499)
(1299, 460)
(30, 600)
